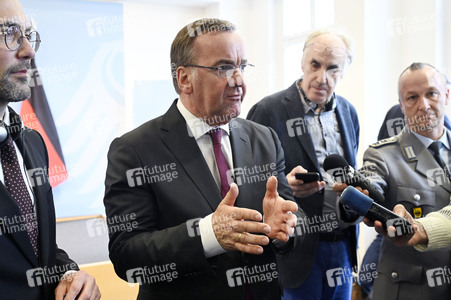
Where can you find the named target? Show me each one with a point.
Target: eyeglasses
(14, 38)
(228, 70)
(324, 48)
(334, 73)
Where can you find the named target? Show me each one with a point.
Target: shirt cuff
(67, 274)
(207, 235)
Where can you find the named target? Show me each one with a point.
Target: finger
(271, 188)
(289, 206)
(249, 248)
(368, 222)
(74, 290)
(249, 226)
(60, 291)
(379, 228)
(297, 169)
(339, 187)
(240, 213)
(291, 220)
(231, 195)
(252, 239)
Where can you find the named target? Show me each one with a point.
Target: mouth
(236, 97)
(21, 72)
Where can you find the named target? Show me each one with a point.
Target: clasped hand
(241, 229)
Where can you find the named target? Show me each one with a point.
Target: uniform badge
(409, 153)
(417, 212)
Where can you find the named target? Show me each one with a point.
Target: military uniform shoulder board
(387, 141)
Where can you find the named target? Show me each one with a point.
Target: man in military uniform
(409, 172)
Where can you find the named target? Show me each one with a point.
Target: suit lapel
(242, 156)
(295, 110)
(345, 125)
(174, 134)
(9, 210)
(40, 193)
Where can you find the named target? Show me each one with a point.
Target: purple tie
(223, 167)
(221, 162)
(15, 184)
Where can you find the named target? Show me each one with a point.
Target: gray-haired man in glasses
(31, 264)
(312, 123)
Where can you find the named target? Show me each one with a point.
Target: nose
(424, 103)
(25, 50)
(322, 76)
(235, 79)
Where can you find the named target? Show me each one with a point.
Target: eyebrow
(10, 24)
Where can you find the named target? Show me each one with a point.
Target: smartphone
(307, 177)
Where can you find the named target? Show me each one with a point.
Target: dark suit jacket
(394, 123)
(163, 209)
(17, 256)
(274, 111)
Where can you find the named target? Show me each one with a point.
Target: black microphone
(337, 167)
(365, 206)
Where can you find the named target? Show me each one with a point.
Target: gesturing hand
(278, 212)
(233, 226)
(78, 285)
(417, 236)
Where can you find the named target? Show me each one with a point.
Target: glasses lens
(34, 39)
(333, 73)
(227, 71)
(247, 69)
(13, 38)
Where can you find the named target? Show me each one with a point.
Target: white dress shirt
(199, 129)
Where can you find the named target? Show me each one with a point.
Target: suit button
(394, 275)
(416, 197)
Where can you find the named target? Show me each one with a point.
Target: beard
(17, 89)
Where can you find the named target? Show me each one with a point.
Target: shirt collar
(445, 138)
(197, 127)
(6, 119)
(311, 106)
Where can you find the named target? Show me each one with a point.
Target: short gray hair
(346, 40)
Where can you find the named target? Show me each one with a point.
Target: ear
(184, 80)
(447, 96)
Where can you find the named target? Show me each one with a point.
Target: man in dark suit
(194, 238)
(312, 123)
(31, 264)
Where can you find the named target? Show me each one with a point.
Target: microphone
(365, 206)
(336, 166)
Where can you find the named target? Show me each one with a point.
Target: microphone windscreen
(334, 161)
(355, 200)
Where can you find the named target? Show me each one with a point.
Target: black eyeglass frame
(34, 43)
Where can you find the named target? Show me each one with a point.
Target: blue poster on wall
(81, 67)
